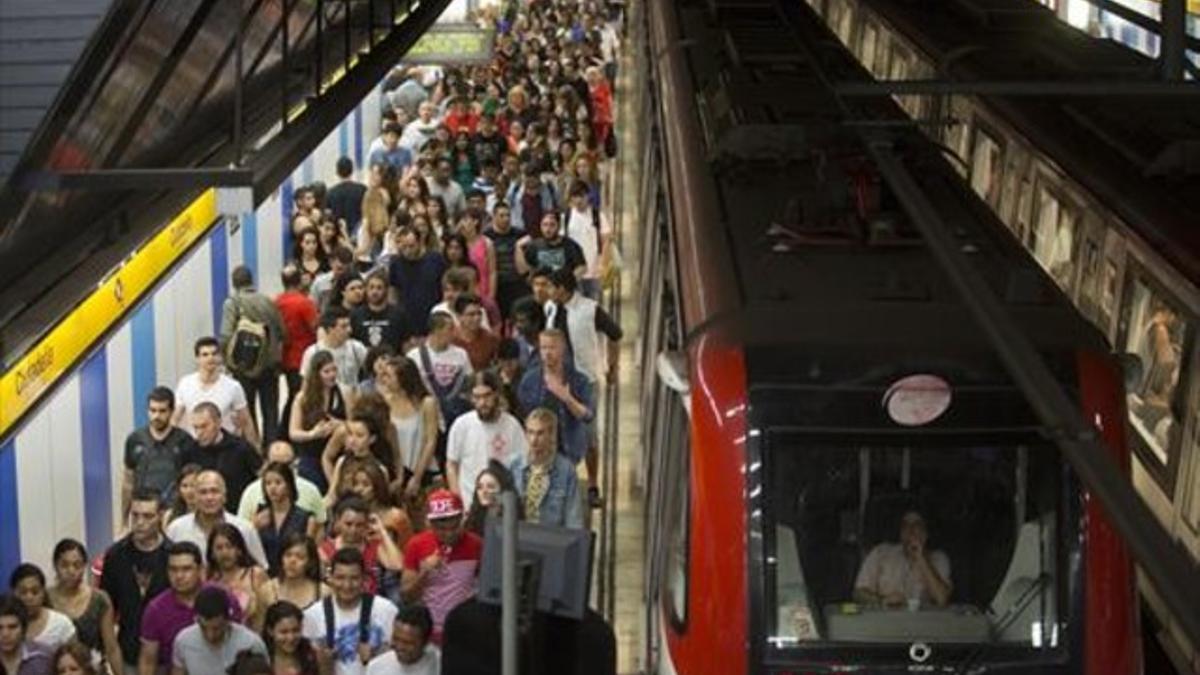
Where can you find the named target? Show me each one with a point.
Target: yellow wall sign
(24, 384)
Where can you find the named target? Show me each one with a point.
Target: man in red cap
(441, 563)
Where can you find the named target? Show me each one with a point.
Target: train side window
(870, 36)
(987, 167)
(1191, 508)
(1054, 236)
(1153, 328)
(679, 516)
(845, 25)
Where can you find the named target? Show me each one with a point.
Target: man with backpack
(587, 226)
(350, 626)
(252, 337)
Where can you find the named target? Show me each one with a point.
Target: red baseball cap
(443, 504)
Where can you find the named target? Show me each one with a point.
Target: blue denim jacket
(573, 433)
(562, 505)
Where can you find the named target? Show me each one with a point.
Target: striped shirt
(454, 582)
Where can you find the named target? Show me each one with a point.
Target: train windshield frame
(1001, 516)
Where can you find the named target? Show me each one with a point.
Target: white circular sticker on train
(917, 400)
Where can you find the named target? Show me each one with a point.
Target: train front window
(894, 544)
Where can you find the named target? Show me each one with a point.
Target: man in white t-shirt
(362, 623)
(209, 384)
(441, 363)
(210, 512)
(590, 228)
(411, 652)
(349, 354)
(480, 436)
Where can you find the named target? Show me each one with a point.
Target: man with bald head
(223, 451)
(210, 511)
(309, 495)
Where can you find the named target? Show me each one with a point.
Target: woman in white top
(414, 415)
(47, 627)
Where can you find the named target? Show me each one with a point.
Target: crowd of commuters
(311, 499)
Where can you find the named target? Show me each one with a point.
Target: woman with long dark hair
(308, 255)
(90, 608)
(299, 580)
(414, 416)
(47, 627)
(231, 567)
(318, 411)
(491, 483)
(185, 493)
(289, 651)
(279, 516)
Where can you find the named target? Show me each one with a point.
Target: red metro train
(818, 379)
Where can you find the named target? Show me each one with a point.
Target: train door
(1016, 166)
(1111, 273)
(958, 132)
(668, 511)
(1091, 264)
(1189, 507)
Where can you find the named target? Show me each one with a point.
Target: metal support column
(1174, 31)
(237, 85)
(508, 587)
(319, 51)
(285, 61)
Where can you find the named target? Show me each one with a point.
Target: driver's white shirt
(886, 570)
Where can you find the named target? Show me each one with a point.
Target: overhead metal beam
(322, 114)
(134, 179)
(1167, 567)
(1016, 88)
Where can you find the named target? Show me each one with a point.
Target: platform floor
(629, 551)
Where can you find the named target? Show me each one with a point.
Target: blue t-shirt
(419, 284)
(398, 158)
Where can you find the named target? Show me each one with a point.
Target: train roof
(1140, 155)
(787, 172)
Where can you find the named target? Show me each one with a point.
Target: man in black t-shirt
(154, 453)
(510, 285)
(135, 571)
(553, 250)
(489, 145)
(345, 199)
(226, 453)
(378, 321)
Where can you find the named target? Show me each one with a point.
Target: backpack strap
(364, 618)
(327, 604)
(427, 366)
(596, 218)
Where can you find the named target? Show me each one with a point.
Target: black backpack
(249, 347)
(453, 398)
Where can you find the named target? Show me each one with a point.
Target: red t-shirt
(370, 561)
(299, 314)
(454, 582)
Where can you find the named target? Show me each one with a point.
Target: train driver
(905, 573)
